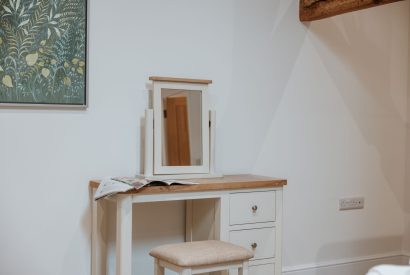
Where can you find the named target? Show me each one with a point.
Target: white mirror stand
(156, 165)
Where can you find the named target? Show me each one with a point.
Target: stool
(200, 257)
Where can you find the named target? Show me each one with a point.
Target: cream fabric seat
(199, 257)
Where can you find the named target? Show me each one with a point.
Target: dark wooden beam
(310, 10)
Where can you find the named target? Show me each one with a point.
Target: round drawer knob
(254, 245)
(254, 208)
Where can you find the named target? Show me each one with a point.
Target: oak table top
(227, 182)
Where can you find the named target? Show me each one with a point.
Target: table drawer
(266, 269)
(252, 207)
(259, 240)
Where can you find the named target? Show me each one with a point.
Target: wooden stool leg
(158, 269)
(244, 269)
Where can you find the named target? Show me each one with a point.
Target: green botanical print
(42, 51)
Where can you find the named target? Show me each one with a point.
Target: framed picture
(44, 45)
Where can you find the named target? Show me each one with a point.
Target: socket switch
(351, 203)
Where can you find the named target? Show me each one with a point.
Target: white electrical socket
(351, 203)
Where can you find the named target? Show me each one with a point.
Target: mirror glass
(181, 127)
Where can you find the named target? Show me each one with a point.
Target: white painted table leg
(222, 218)
(124, 235)
(244, 269)
(94, 237)
(222, 224)
(98, 247)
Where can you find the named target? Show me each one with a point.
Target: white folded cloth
(390, 270)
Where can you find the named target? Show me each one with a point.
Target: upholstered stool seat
(199, 257)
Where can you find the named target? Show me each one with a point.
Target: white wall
(322, 104)
(339, 130)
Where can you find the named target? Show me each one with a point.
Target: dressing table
(179, 143)
(241, 209)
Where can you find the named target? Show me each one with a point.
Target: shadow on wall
(366, 86)
(70, 257)
(350, 250)
(354, 249)
(357, 248)
(267, 43)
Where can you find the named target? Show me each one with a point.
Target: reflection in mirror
(181, 125)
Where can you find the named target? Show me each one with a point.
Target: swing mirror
(181, 126)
